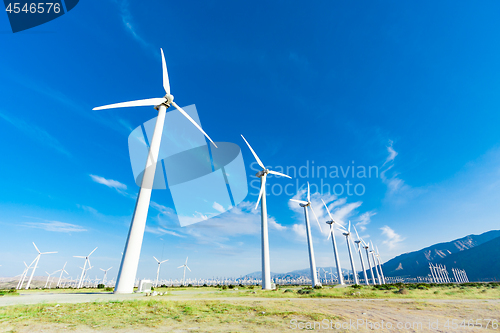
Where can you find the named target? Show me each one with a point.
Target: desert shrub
(205, 285)
(241, 285)
(100, 286)
(230, 286)
(403, 291)
(305, 291)
(356, 286)
(288, 291)
(250, 287)
(190, 285)
(224, 287)
(318, 287)
(108, 289)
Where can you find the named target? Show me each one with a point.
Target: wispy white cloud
(36, 133)
(392, 153)
(55, 226)
(119, 187)
(364, 220)
(128, 22)
(392, 238)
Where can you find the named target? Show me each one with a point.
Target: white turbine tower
(84, 271)
(158, 270)
(358, 242)
(375, 263)
(266, 265)
(347, 237)
(335, 251)
(60, 276)
(312, 261)
(48, 277)
(105, 274)
(36, 264)
(380, 265)
(366, 247)
(185, 266)
(130, 260)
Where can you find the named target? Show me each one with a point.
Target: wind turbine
(185, 266)
(158, 270)
(130, 261)
(380, 265)
(312, 261)
(48, 277)
(375, 263)
(266, 265)
(366, 247)
(347, 235)
(36, 264)
(105, 274)
(60, 276)
(23, 275)
(335, 251)
(358, 242)
(85, 265)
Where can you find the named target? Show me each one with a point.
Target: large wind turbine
(335, 251)
(266, 265)
(130, 260)
(347, 235)
(358, 242)
(185, 266)
(375, 263)
(158, 270)
(312, 261)
(85, 265)
(380, 265)
(36, 264)
(366, 247)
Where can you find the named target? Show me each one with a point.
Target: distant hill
(482, 263)
(417, 263)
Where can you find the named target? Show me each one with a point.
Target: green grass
(150, 313)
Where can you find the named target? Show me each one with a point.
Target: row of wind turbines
(130, 260)
(334, 225)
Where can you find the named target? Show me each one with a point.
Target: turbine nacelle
(262, 173)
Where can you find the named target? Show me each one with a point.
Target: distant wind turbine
(358, 242)
(158, 270)
(185, 266)
(60, 276)
(83, 268)
(266, 265)
(105, 274)
(130, 261)
(36, 264)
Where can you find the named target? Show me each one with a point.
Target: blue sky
(411, 88)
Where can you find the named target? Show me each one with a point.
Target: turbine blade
(308, 193)
(92, 252)
(109, 268)
(48, 252)
(328, 211)
(262, 188)
(141, 102)
(180, 266)
(163, 261)
(331, 231)
(299, 201)
(166, 83)
(349, 229)
(193, 122)
(36, 247)
(79, 257)
(279, 174)
(102, 269)
(356, 232)
(254, 154)
(156, 259)
(188, 268)
(319, 225)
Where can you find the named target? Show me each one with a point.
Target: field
(420, 307)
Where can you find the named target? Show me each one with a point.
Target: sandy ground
(348, 315)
